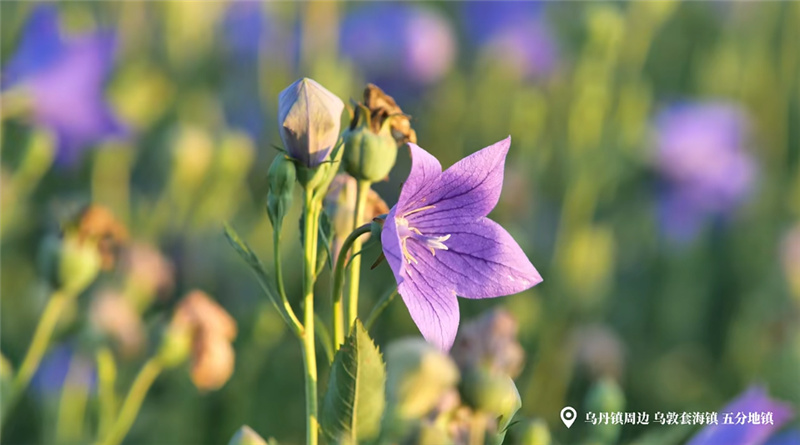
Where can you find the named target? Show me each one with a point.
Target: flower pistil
(405, 231)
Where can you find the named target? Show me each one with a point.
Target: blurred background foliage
(653, 180)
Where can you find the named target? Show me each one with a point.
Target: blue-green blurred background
(653, 180)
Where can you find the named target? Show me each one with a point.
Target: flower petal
(433, 308)
(392, 249)
(425, 169)
(755, 399)
(467, 190)
(484, 261)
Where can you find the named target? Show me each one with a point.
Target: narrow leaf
(355, 400)
(252, 260)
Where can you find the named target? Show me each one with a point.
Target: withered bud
(211, 329)
(377, 128)
(340, 204)
(381, 107)
(115, 316)
(490, 342)
(97, 224)
(599, 351)
(148, 271)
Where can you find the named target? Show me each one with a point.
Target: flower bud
(605, 396)
(492, 393)
(89, 243)
(309, 117)
(417, 376)
(340, 204)
(148, 274)
(535, 433)
(246, 436)
(282, 176)
(203, 328)
(115, 316)
(378, 127)
(69, 264)
(367, 155)
(490, 342)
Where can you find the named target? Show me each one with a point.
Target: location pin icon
(568, 415)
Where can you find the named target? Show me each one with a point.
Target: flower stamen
(406, 232)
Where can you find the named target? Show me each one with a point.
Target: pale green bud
(69, 263)
(368, 155)
(535, 433)
(282, 176)
(605, 396)
(309, 117)
(246, 436)
(418, 375)
(176, 346)
(490, 392)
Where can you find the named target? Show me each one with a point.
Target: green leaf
(252, 260)
(355, 400)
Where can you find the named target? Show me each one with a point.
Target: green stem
(362, 191)
(133, 401)
(39, 344)
(289, 314)
(311, 219)
(382, 304)
(107, 396)
(338, 283)
(72, 406)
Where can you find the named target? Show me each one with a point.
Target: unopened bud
(535, 433)
(282, 176)
(309, 117)
(367, 155)
(377, 128)
(418, 376)
(605, 396)
(490, 392)
(69, 263)
(246, 436)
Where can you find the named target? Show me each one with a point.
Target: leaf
(252, 260)
(355, 400)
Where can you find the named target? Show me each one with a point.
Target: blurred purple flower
(439, 242)
(754, 400)
(704, 165)
(55, 367)
(64, 78)
(513, 33)
(244, 28)
(788, 437)
(398, 45)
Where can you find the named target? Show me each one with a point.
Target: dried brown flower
(490, 342)
(115, 316)
(147, 270)
(97, 223)
(340, 203)
(212, 330)
(381, 107)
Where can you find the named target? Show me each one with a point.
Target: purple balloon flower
(754, 400)
(514, 33)
(398, 44)
(702, 159)
(52, 373)
(64, 79)
(440, 244)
